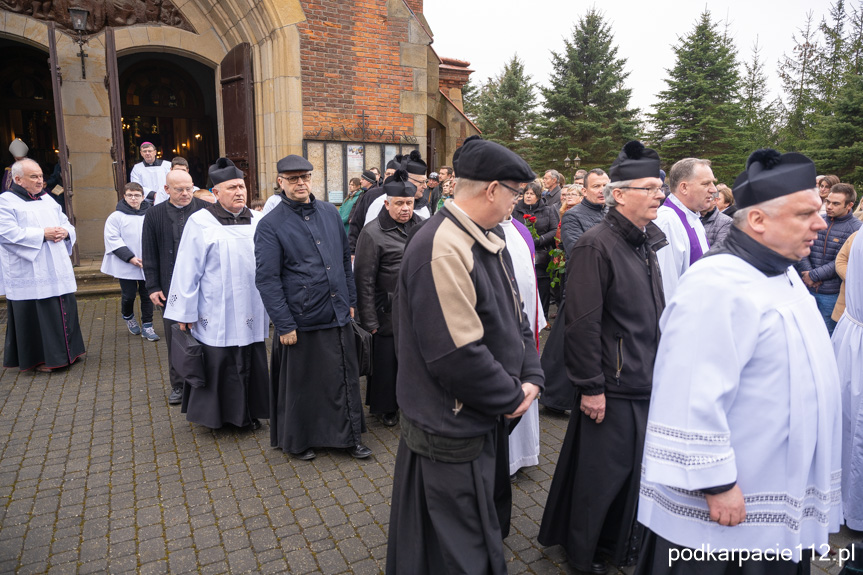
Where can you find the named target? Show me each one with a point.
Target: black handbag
(187, 356)
(363, 340)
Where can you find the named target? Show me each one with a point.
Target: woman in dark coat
(545, 223)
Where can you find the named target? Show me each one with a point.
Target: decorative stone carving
(116, 13)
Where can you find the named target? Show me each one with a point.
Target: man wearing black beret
(306, 281)
(471, 364)
(744, 446)
(612, 310)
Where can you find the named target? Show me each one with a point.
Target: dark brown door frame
(112, 82)
(238, 112)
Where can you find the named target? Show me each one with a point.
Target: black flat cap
(486, 161)
(634, 162)
(369, 176)
(770, 175)
(224, 170)
(294, 163)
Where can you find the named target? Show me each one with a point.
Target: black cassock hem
(42, 332)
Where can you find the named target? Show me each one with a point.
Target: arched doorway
(27, 103)
(170, 101)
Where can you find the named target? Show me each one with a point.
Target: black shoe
(176, 397)
(512, 477)
(598, 566)
(390, 419)
(359, 451)
(554, 411)
(306, 455)
(256, 424)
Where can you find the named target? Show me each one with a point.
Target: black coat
(546, 226)
(160, 239)
(613, 308)
(378, 260)
(358, 214)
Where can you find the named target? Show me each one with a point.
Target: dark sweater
(163, 228)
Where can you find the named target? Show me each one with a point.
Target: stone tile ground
(99, 475)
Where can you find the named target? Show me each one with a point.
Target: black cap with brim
(634, 162)
(486, 161)
(224, 170)
(294, 163)
(770, 175)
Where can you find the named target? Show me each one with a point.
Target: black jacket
(460, 324)
(547, 219)
(160, 239)
(821, 261)
(577, 220)
(358, 214)
(376, 270)
(613, 308)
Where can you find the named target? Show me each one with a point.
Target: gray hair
(609, 188)
(554, 174)
(684, 170)
(468, 188)
(17, 169)
(770, 207)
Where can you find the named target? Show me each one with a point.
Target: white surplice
(272, 202)
(848, 346)
(524, 439)
(674, 258)
(33, 268)
(213, 285)
(122, 230)
(745, 390)
(152, 179)
(378, 204)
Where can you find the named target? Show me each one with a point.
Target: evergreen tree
(854, 42)
(586, 106)
(699, 115)
(799, 75)
(760, 117)
(838, 146)
(506, 109)
(469, 96)
(832, 58)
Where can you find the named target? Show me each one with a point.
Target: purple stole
(695, 251)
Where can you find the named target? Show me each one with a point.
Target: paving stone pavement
(98, 474)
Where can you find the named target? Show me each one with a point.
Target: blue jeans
(826, 303)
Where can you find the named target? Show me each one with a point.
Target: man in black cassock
(612, 332)
(467, 361)
(303, 272)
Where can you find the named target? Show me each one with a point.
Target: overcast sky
(488, 32)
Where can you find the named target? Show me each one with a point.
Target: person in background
(551, 183)
(150, 173)
(123, 253)
(824, 185)
(725, 200)
(19, 151)
(257, 205)
(434, 191)
(355, 190)
(716, 224)
(533, 212)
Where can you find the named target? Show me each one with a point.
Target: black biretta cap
(634, 162)
(294, 163)
(770, 175)
(398, 185)
(224, 170)
(414, 163)
(486, 161)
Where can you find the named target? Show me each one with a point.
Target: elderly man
(551, 183)
(150, 173)
(160, 240)
(559, 396)
(376, 269)
(416, 169)
(692, 191)
(743, 447)
(613, 306)
(818, 269)
(213, 296)
(305, 279)
(471, 361)
(36, 240)
(361, 208)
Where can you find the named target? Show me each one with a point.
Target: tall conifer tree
(699, 115)
(799, 76)
(586, 106)
(838, 145)
(761, 119)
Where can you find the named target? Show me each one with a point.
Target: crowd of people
(707, 340)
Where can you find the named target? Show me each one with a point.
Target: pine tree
(586, 106)
(506, 109)
(838, 146)
(760, 117)
(854, 42)
(832, 58)
(469, 95)
(799, 76)
(699, 115)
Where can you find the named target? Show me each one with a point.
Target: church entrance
(170, 101)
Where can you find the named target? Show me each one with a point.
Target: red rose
(532, 219)
(526, 216)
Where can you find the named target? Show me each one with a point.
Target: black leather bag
(187, 356)
(363, 340)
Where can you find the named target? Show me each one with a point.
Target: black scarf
(759, 256)
(226, 218)
(24, 194)
(124, 208)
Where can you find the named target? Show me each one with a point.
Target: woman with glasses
(123, 252)
(534, 213)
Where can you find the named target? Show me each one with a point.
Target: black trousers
(176, 381)
(129, 289)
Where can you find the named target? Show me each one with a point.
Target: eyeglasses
(516, 193)
(418, 180)
(650, 191)
(294, 179)
(133, 196)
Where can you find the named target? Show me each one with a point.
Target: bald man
(163, 228)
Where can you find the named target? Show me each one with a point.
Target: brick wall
(415, 5)
(349, 58)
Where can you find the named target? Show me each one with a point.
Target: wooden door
(65, 166)
(112, 80)
(238, 112)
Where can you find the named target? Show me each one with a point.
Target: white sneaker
(149, 333)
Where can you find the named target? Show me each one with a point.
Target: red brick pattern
(349, 57)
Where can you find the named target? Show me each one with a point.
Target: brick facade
(350, 63)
